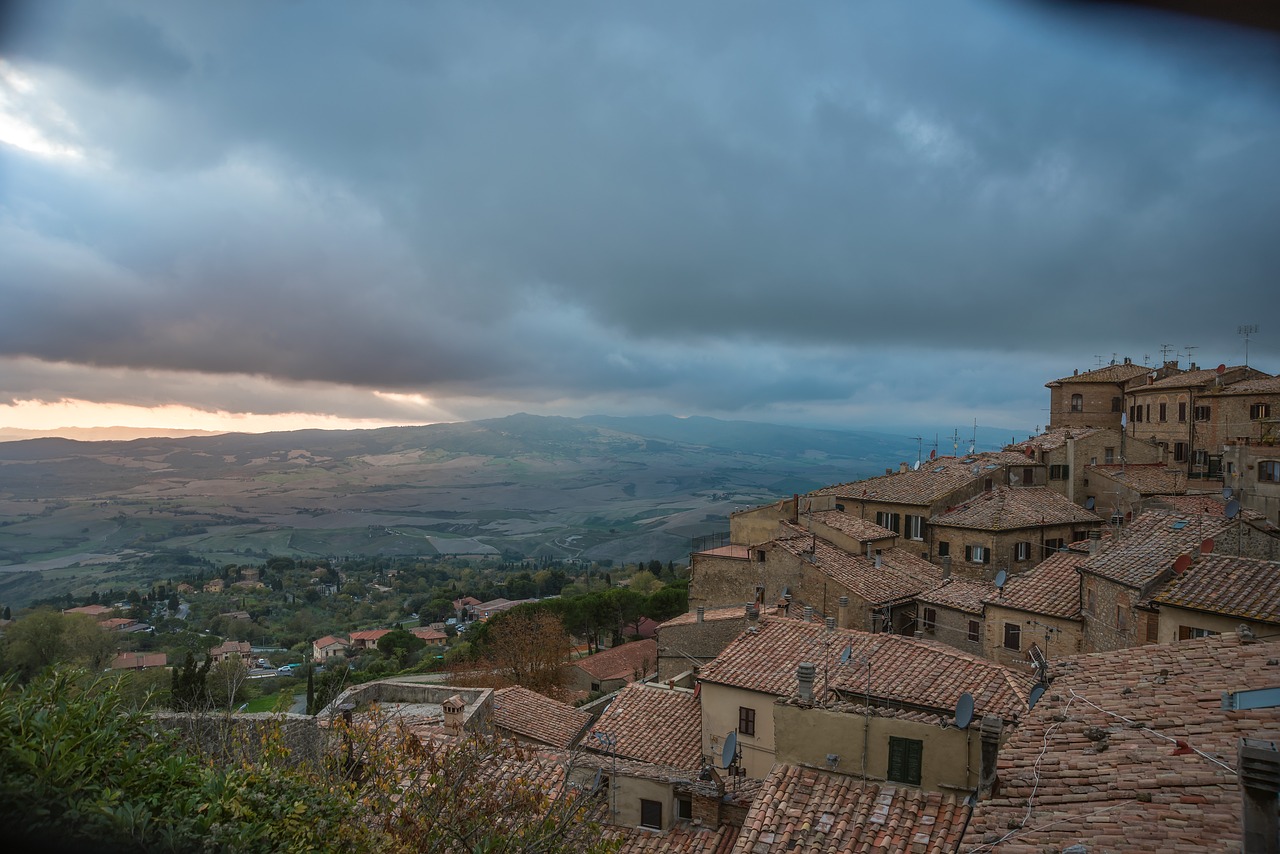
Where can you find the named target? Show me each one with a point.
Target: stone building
(952, 613)
(1009, 529)
(1093, 398)
(691, 640)
(1064, 453)
(1041, 607)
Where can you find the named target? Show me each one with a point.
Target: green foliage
(399, 644)
(45, 637)
(188, 691)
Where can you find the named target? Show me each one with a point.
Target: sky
(256, 216)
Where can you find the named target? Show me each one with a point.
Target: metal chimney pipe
(701, 613)
(804, 678)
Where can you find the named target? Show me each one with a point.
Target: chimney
(902, 467)
(888, 471)
(701, 612)
(946, 567)
(804, 678)
(808, 613)
(1128, 361)
(1259, 764)
(831, 623)
(843, 613)
(1095, 542)
(795, 508)
(1075, 372)
(879, 560)
(453, 708)
(871, 550)
(753, 613)
(989, 731)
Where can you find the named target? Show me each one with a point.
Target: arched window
(1077, 403)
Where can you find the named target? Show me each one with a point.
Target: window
(905, 756)
(1117, 404)
(1164, 412)
(1122, 618)
(1153, 628)
(1182, 410)
(1202, 413)
(987, 484)
(915, 527)
(1190, 633)
(651, 814)
(1012, 636)
(977, 554)
(684, 809)
(1059, 472)
(1055, 545)
(1077, 403)
(944, 548)
(1028, 476)
(1090, 598)
(930, 619)
(1259, 410)
(746, 721)
(595, 687)
(1022, 551)
(1179, 452)
(1109, 455)
(1269, 471)
(1200, 457)
(974, 627)
(892, 521)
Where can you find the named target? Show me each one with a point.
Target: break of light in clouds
(873, 214)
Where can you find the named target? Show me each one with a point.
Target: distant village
(1069, 645)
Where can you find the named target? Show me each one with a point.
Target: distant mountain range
(595, 488)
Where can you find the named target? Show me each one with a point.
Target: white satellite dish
(730, 752)
(1001, 578)
(964, 710)
(915, 466)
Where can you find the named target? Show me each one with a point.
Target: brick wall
(1112, 622)
(952, 627)
(683, 646)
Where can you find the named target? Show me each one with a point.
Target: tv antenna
(1247, 330)
(919, 450)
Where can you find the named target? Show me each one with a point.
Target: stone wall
(952, 628)
(1110, 620)
(237, 738)
(688, 645)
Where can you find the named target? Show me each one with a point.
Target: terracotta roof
(935, 479)
(908, 671)
(731, 612)
(139, 660)
(330, 640)
(241, 647)
(1212, 505)
(958, 593)
(371, 635)
(1003, 508)
(629, 661)
(681, 839)
(529, 714)
(900, 576)
(1150, 543)
(852, 526)
(428, 634)
(1234, 586)
(1051, 440)
(1052, 588)
(803, 809)
(116, 623)
(1147, 479)
(1260, 385)
(731, 550)
(1188, 379)
(1100, 761)
(652, 724)
(91, 610)
(1120, 373)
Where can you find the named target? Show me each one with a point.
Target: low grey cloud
(850, 212)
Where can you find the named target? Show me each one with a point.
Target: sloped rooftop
(1099, 762)
(962, 594)
(1150, 544)
(531, 715)
(811, 811)
(1003, 508)
(934, 480)
(1120, 373)
(1051, 440)
(1052, 588)
(900, 576)
(851, 526)
(652, 724)
(1222, 584)
(1146, 479)
(905, 671)
(633, 660)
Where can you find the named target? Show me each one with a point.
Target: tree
(527, 648)
(399, 644)
(644, 582)
(189, 690)
(46, 637)
(228, 683)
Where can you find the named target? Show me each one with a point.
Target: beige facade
(1093, 398)
(1253, 473)
(979, 555)
(1111, 620)
(1179, 624)
(859, 740)
(735, 575)
(728, 709)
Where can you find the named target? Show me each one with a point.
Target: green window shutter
(905, 758)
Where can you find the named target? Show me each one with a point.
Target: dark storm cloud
(728, 207)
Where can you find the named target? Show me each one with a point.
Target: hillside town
(1071, 644)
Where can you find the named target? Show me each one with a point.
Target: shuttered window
(905, 755)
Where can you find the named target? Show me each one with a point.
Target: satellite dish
(1220, 370)
(730, 751)
(915, 466)
(1124, 419)
(1207, 546)
(933, 454)
(845, 653)
(1180, 565)
(964, 710)
(1089, 503)
(977, 470)
(1226, 493)
(1001, 578)
(1233, 509)
(595, 784)
(1036, 693)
